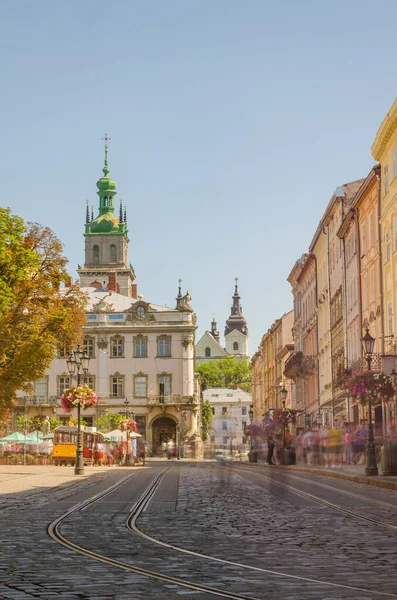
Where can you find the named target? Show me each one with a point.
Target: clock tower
(106, 243)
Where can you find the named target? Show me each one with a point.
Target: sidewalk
(349, 472)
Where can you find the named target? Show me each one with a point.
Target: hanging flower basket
(284, 416)
(75, 396)
(129, 425)
(370, 385)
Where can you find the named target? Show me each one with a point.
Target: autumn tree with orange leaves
(37, 314)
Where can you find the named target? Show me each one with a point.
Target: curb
(382, 483)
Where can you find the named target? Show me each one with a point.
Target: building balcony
(37, 401)
(300, 366)
(171, 400)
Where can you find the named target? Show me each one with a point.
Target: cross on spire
(106, 140)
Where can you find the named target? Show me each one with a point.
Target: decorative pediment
(102, 343)
(140, 312)
(102, 307)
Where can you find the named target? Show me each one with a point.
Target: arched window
(235, 345)
(95, 254)
(207, 352)
(113, 253)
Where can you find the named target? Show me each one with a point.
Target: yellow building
(384, 150)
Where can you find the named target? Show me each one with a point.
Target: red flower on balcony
(370, 385)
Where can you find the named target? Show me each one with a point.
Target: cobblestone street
(232, 513)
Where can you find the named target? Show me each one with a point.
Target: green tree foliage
(36, 314)
(109, 422)
(227, 372)
(206, 419)
(24, 423)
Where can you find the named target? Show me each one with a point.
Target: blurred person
(349, 439)
(270, 450)
(335, 445)
(360, 439)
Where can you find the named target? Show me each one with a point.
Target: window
(117, 347)
(62, 352)
(372, 285)
(225, 439)
(363, 238)
(90, 381)
(112, 254)
(164, 385)
(207, 352)
(395, 234)
(140, 386)
(243, 425)
(243, 410)
(95, 254)
(390, 318)
(117, 386)
(213, 410)
(387, 238)
(63, 384)
(235, 345)
(224, 410)
(224, 425)
(140, 346)
(371, 229)
(41, 388)
(164, 345)
(89, 347)
(386, 178)
(393, 163)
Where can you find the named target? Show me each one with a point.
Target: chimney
(134, 291)
(112, 285)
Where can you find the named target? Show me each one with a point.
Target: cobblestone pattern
(217, 512)
(221, 514)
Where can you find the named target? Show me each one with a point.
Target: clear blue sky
(232, 123)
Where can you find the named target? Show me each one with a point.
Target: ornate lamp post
(251, 416)
(78, 363)
(283, 394)
(370, 466)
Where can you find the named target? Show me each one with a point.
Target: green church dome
(105, 184)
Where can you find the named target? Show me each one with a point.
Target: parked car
(223, 455)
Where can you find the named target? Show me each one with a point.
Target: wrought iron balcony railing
(38, 401)
(300, 366)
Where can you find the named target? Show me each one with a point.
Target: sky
(232, 124)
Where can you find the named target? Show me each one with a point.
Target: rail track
(143, 502)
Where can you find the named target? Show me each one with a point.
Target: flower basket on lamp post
(370, 388)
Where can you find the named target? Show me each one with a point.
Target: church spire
(121, 212)
(106, 169)
(179, 296)
(236, 319)
(214, 331)
(87, 214)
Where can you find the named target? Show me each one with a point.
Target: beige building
(141, 353)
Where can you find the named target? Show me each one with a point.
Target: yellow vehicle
(65, 445)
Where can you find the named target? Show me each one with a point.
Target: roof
(114, 302)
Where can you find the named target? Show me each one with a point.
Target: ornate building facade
(141, 354)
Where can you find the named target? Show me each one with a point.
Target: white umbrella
(118, 434)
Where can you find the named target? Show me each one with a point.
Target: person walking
(270, 450)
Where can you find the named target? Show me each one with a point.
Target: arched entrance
(164, 429)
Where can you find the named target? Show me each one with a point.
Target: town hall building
(141, 354)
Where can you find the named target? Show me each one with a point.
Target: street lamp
(371, 467)
(78, 363)
(251, 416)
(283, 394)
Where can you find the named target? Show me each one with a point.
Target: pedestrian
(270, 450)
(349, 439)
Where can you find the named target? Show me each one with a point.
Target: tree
(36, 314)
(23, 423)
(110, 422)
(206, 419)
(226, 372)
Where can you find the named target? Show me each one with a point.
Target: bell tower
(106, 242)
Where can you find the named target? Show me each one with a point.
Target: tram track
(55, 534)
(140, 506)
(326, 503)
